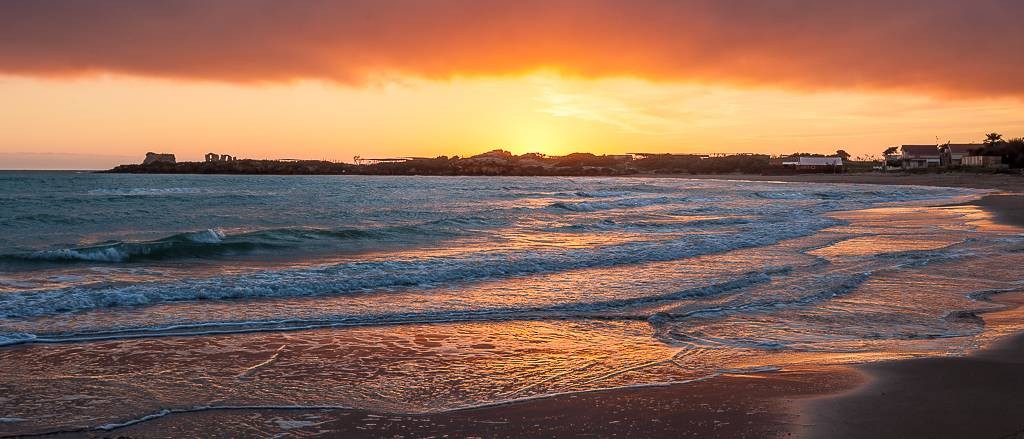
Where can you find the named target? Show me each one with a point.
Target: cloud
(939, 46)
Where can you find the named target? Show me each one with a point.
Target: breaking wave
(140, 191)
(587, 206)
(215, 242)
(183, 244)
(351, 277)
(559, 311)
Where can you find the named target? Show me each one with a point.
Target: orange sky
(91, 84)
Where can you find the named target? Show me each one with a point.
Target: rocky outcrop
(152, 157)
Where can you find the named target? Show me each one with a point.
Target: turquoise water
(414, 294)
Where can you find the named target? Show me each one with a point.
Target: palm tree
(992, 139)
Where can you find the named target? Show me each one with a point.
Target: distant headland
(496, 162)
(991, 156)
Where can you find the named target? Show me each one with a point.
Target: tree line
(1011, 150)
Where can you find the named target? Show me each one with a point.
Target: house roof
(963, 148)
(920, 150)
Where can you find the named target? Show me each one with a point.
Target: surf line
(267, 362)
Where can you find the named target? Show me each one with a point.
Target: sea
(124, 298)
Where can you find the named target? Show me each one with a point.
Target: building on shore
(936, 156)
(152, 157)
(212, 157)
(813, 164)
(952, 154)
(368, 161)
(892, 158)
(986, 161)
(920, 156)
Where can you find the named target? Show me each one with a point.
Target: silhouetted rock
(152, 157)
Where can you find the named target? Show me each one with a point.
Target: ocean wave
(832, 286)
(920, 258)
(47, 218)
(839, 286)
(602, 193)
(190, 244)
(362, 276)
(214, 242)
(783, 195)
(12, 338)
(678, 225)
(142, 191)
(588, 206)
(562, 311)
(723, 221)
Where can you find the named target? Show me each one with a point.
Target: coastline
(1007, 182)
(887, 399)
(970, 396)
(727, 406)
(1004, 182)
(1007, 209)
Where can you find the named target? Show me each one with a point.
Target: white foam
(589, 206)
(16, 283)
(562, 311)
(205, 408)
(291, 424)
(12, 338)
(142, 191)
(208, 236)
(96, 254)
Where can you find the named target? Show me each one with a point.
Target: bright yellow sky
(107, 120)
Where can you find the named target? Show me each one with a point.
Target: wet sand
(974, 396)
(729, 406)
(969, 397)
(978, 396)
(1007, 209)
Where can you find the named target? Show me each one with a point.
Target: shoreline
(756, 405)
(1006, 209)
(1001, 181)
(805, 401)
(1004, 182)
(885, 399)
(969, 396)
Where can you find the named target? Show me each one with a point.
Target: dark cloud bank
(939, 46)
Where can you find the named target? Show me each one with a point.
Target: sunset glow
(466, 77)
(511, 218)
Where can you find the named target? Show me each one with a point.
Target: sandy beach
(730, 406)
(973, 396)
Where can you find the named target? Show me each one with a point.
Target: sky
(91, 84)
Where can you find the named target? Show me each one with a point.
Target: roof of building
(920, 150)
(963, 148)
